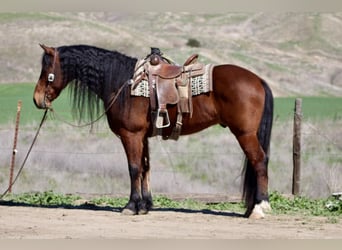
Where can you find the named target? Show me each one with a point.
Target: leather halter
(51, 76)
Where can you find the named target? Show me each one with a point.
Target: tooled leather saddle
(169, 84)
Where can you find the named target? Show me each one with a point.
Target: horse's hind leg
(256, 178)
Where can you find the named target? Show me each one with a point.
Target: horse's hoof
(143, 211)
(144, 207)
(265, 206)
(257, 213)
(127, 211)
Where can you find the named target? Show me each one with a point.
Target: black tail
(264, 137)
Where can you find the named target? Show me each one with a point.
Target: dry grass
(321, 160)
(70, 160)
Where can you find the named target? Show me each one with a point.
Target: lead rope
(27, 154)
(42, 122)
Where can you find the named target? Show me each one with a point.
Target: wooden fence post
(14, 152)
(296, 146)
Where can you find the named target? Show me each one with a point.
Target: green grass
(15, 16)
(330, 207)
(314, 108)
(48, 198)
(12, 93)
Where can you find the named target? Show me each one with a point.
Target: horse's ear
(48, 50)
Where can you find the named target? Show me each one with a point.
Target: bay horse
(240, 100)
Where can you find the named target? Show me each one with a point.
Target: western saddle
(169, 84)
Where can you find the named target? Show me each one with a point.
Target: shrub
(193, 43)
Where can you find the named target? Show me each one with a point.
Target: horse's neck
(87, 75)
(102, 75)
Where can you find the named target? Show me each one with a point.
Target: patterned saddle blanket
(198, 84)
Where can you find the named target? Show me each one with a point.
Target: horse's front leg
(146, 203)
(134, 148)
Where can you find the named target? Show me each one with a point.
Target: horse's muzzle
(41, 102)
(40, 105)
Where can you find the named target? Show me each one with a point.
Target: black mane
(94, 74)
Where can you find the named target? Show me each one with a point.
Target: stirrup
(162, 119)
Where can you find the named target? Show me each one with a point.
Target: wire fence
(72, 160)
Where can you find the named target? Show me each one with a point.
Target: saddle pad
(199, 84)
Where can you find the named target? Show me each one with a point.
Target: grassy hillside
(297, 53)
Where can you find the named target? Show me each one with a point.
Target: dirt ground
(21, 222)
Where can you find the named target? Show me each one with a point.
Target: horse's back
(235, 78)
